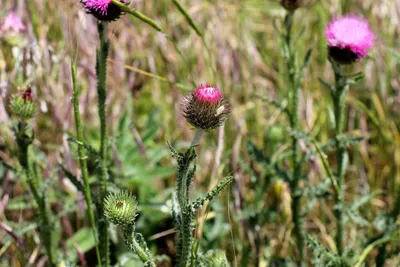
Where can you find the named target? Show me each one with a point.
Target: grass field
(240, 51)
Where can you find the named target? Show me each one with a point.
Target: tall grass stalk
(82, 160)
(101, 71)
(294, 88)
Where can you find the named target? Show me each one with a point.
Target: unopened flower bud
(349, 39)
(23, 105)
(121, 208)
(103, 10)
(292, 4)
(205, 108)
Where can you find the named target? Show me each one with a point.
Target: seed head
(349, 39)
(205, 108)
(13, 23)
(23, 105)
(103, 10)
(292, 5)
(120, 208)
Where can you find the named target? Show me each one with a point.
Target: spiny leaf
(199, 202)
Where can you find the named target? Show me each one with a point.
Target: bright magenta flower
(208, 93)
(349, 39)
(103, 10)
(206, 108)
(13, 23)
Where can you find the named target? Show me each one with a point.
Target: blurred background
(147, 76)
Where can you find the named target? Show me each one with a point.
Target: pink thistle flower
(103, 10)
(349, 39)
(13, 23)
(206, 108)
(208, 93)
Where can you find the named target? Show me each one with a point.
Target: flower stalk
(101, 71)
(24, 142)
(339, 98)
(82, 160)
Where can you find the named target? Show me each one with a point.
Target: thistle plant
(294, 76)
(106, 11)
(205, 109)
(349, 39)
(24, 108)
(121, 209)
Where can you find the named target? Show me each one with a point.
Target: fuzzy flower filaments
(349, 39)
(103, 10)
(206, 108)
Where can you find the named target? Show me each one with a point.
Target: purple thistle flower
(349, 39)
(103, 10)
(12, 23)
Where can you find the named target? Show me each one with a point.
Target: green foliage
(325, 257)
(213, 258)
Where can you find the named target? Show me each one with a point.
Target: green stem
(138, 15)
(133, 245)
(368, 249)
(196, 139)
(339, 98)
(24, 143)
(82, 160)
(186, 212)
(294, 124)
(102, 54)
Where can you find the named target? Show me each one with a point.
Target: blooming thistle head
(206, 108)
(349, 39)
(103, 10)
(13, 23)
(121, 208)
(23, 105)
(291, 5)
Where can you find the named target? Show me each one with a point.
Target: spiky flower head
(349, 39)
(13, 23)
(121, 208)
(103, 10)
(23, 105)
(292, 5)
(206, 108)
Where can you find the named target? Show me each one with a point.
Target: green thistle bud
(120, 208)
(23, 106)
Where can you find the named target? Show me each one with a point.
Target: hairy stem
(339, 97)
(24, 142)
(101, 68)
(294, 124)
(82, 160)
(140, 248)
